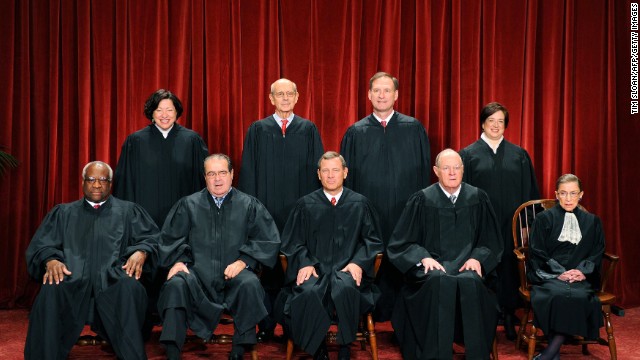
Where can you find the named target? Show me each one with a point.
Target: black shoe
(509, 327)
(321, 353)
(234, 356)
(264, 335)
(172, 352)
(344, 353)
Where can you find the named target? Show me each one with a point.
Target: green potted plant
(6, 161)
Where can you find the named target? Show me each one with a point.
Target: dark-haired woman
(162, 162)
(505, 172)
(565, 251)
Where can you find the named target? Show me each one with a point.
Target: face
(284, 96)
(569, 195)
(383, 94)
(493, 126)
(217, 176)
(449, 171)
(332, 175)
(99, 190)
(165, 115)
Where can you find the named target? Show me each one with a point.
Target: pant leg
(346, 298)
(310, 320)
(478, 307)
(172, 305)
(244, 298)
(55, 321)
(122, 308)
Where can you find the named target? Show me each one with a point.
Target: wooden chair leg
(254, 353)
(372, 337)
(523, 326)
(289, 349)
(606, 312)
(532, 342)
(494, 349)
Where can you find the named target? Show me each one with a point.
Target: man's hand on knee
(55, 271)
(234, 269)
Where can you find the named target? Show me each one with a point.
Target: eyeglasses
(101, 181)
(568, 195)
(281, 94)
(221, 174)
(454, 168)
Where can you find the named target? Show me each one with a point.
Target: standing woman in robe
(158, 165)
(162, 162)
(505, 172)
(565, 252)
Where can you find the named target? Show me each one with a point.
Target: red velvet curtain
(75, 74)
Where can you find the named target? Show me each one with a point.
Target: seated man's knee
(175, 284)
(247, 281)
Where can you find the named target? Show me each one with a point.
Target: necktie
(383, 123)
(284, 126)
(453, 199)
(333, 201)
(96, 206)
(218, 201)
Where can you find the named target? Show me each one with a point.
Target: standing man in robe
(331, 240)
(90, 255)
(279, 167)
(389, 159)
(214, 240)
(447, 244)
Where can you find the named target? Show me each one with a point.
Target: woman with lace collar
(565, 252)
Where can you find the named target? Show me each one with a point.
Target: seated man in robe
(447, 244)
(214, 240)
(90, 255)
(330, 240)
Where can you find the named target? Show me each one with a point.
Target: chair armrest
(521, 256)
(283, 262)
(608, 272)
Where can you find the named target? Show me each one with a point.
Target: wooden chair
(366, 329)
(521, 224)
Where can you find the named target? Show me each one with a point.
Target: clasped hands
(572, 275)
(306, 272)
(432, 264)
(56, 270)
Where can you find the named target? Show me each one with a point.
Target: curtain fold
(75, 75)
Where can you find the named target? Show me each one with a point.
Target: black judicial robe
(93, 244)
(509, 179)
(559, 306)
(431, 304)
(208, 239)
(329, 237)
(387, 165)
(278, 170)
(156, 172)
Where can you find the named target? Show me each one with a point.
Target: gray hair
(445, 152)
(100, 163)
(273, 86)
(332, 155)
